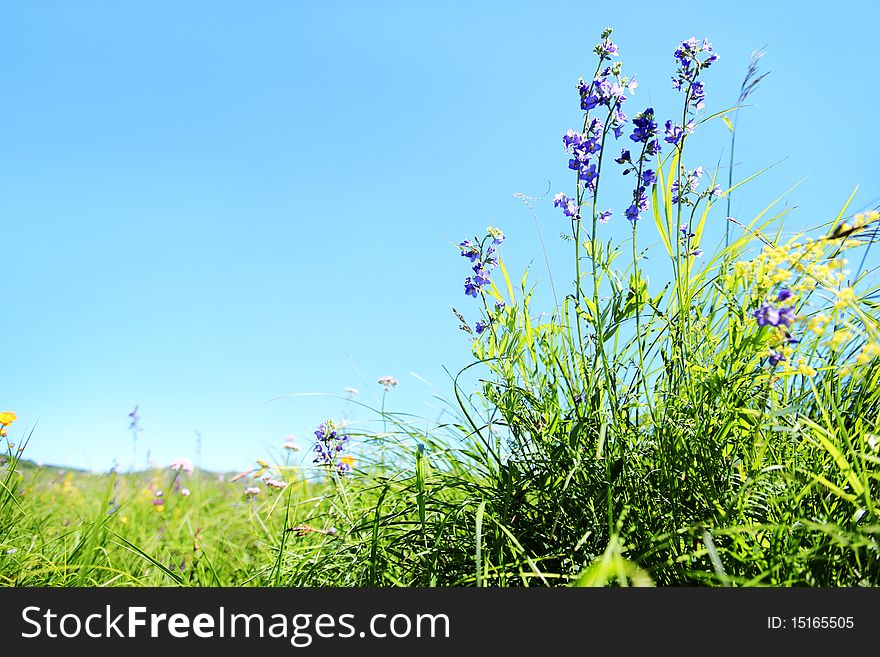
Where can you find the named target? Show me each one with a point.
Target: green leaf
(727, 123)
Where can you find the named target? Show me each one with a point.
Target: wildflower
(496, 234)
(817, 324)
(632, 213)
(716, 191)
(770, 315)
(291, 444)
(606, 49)
(805, 369)
(625, 156)
(674, 133)
(471, 288)
(7, 418)
(839, 338)
(648, 177)
(469, 250)
(696, 253)
(868, 353)
(251, 491)
(784, 294)
(568, 205)
(845, 297)
(646, 127)
(604, 216)
(182, 464)
(387, 381)
(185, 492)
(345, 465)
(274, 483)
(499, 306)
(481, 275)
(480, 326)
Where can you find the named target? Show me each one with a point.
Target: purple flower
(787, 315)
(606, 49)
(698, 95)
(784, 294)
(470, 288)
(632, 213)
(775, 358)
(569, 139)
(770, 315)
(673, 133)
(499, 306)
(767, 315)
(589, 174)
(646, 127)
(648, 177)
(716, 191)
(480, 326)
(469, 250)
(604, 216)
(481, 275)
(568, 205)
(624, 157)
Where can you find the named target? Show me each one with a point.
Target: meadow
(718, 428)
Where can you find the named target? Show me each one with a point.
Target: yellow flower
(805, 369)
(781, 275)
(348, 460)
(804, 286)
(868, 353)
(846, 297)
(7, 417)
(817, 324)
(839, 338)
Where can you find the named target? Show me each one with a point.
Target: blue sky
(210, 205)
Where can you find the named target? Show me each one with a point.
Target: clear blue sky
(208, 205)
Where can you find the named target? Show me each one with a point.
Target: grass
(721, 428)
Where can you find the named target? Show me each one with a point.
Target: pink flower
(182, 464)
(251, 491)
(274, 483)
(184, 492)
(388, 381)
